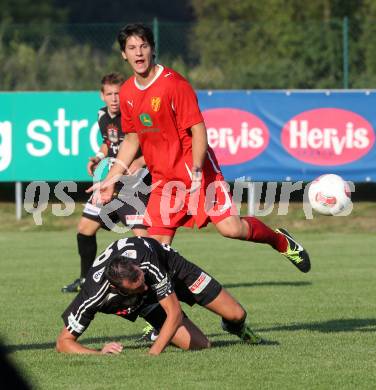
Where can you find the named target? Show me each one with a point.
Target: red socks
(259, 232)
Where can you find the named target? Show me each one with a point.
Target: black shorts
(129, 211)
(191, 285)
(155, 315)
(196, 286)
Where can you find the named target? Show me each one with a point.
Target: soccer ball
(329, 194)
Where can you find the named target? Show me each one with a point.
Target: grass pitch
(320, 326)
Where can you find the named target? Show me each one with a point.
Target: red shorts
(171, 205)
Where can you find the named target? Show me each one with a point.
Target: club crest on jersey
(155, 103)
(112, 134)
(146, 120)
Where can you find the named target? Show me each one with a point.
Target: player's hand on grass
(114, 348)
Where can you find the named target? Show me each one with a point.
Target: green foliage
(281, 44)
(36, 11)
(275, 44)
(54, 63)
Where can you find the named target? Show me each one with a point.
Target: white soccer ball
(329, 194)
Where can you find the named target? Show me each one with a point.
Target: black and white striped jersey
(161, 266)
(111, 132)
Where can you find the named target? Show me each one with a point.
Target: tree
(274, 43)
(31, 11)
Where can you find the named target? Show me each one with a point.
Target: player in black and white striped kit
(129, 201)
(138, 276)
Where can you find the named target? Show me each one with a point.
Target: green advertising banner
(48, 135)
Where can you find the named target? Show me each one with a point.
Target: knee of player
(204, 343)
(86, 227)
(233, 232)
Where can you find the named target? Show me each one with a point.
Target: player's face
(139, 54)
(110, 95)
(137, 287)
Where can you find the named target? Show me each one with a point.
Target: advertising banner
(47, 135)
(258, 135)
(292, 135)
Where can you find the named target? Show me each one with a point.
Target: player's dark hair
(137, 29)
(112, 78)
(121, 268)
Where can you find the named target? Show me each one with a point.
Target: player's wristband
(196, 174)
(100, 155)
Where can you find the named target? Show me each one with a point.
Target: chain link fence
(321, 55)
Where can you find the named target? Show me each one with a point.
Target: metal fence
(214, 55)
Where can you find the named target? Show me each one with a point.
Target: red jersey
(162, 114)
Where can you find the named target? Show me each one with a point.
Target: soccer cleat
(295, 252)
(249, 336)
(246, 334)
(149, 333)
(74, 287)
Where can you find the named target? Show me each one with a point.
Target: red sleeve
(185, 105)
(127, 125)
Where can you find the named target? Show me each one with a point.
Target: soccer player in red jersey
(160, 114)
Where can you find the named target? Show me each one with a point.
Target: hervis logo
(146, 120)
(328, 136)
(235, 135)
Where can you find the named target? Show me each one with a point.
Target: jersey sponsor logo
(155, 103)
(113, 133)
(328, 136)
(130, 102)
(98, 274)
(74, 324)
(146, 120)
(201, 282)
(130, 253)
(235, 135)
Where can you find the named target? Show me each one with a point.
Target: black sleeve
(157, 277)
(79, 314)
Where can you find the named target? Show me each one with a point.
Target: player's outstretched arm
(67, 343)
(173, 320)
(104, 190)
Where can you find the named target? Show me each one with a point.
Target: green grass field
(320, 326)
